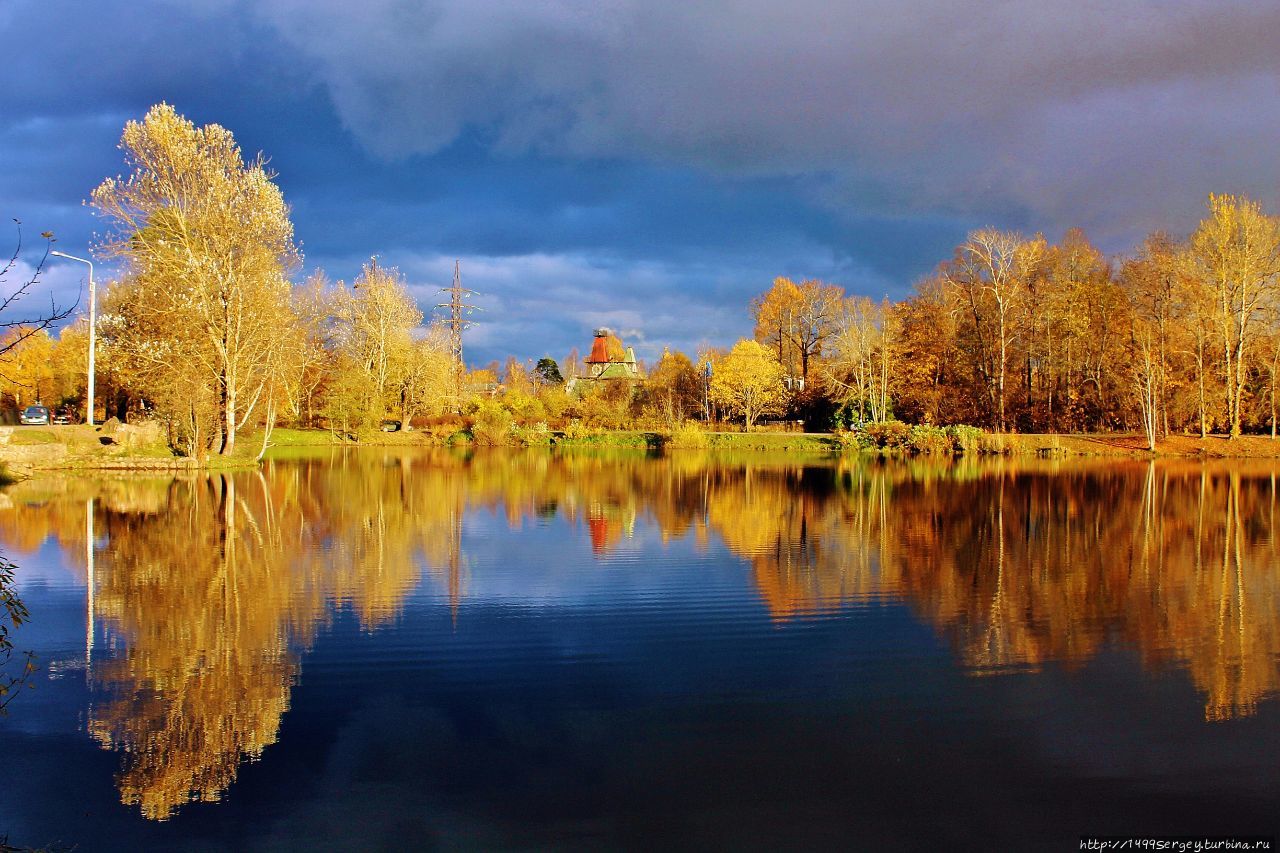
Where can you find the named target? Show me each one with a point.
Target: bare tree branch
(31, 324)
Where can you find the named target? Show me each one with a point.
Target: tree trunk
(1204, 426)
(1004, 354)
(228, 417)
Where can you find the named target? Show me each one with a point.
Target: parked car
(34, 415)
(62, 418)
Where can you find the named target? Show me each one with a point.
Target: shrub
(538, 435)
(687, 434)
(847, 440)
(523, 406)
(494, 425)
(576, 430)
(927, 439)
(965, 439)
(885, 435)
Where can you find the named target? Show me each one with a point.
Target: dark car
(63, 417)
(34, 415)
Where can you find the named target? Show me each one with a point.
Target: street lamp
(93, 329)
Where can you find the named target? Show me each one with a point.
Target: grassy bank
(25, 449)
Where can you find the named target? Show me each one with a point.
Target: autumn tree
(373, 325)
(313, 307)
(26, 371)
(427, 384)
(861, 361)
(988, 282)
(1236, 254)
(573, 366)
(797, 320)
(206, 242)
(164, 364)
(927, 387)
(674, 388)
(748, 382)
(1146, 371)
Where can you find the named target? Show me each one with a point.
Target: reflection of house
(607, 523)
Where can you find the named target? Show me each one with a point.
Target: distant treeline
(205, 331)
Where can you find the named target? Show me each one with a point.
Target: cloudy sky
(649, 164)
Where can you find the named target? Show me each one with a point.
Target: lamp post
(93, 330)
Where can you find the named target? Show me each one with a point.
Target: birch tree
(987, 284)
(206, 241)
(1236, 251)
(373, 325)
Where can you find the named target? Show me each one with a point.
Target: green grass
(786, 441)
(26, 436)
(629, 440)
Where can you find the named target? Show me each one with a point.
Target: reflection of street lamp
(88, 552)
(93, 329)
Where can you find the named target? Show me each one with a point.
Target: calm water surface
(378, 650)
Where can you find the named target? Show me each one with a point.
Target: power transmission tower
(459, 311)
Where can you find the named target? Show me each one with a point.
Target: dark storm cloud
(983, 108)
(651, 165)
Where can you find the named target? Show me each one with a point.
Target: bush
(523, 406)
(538, 435)
(576, 430)
(965, 440)
(847, 440)
(885, 435)
(931, 440)
(687, 434)
(494, 425)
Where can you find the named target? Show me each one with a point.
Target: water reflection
(205, 591)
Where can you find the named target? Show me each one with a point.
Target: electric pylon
(459, 312)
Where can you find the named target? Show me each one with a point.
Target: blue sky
(652, 165)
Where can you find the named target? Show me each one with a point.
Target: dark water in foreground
(397, 651)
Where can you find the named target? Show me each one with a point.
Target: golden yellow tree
(1236, 251)
(862, 356)
(206, 240)
(674, 389)
(797, 320)
(373, 325)
(748, 382)
(988, 285)
(427, 384)
(26, 373)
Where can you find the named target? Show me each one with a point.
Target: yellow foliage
(748, 382)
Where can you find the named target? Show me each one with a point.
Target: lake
(412, 650)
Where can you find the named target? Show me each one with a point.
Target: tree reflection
(209, 587)
(1020, 566)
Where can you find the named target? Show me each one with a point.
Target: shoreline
(74, 453)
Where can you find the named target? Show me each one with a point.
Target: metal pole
(93, 344)
(93, 331)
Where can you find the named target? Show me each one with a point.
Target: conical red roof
(599, 351)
